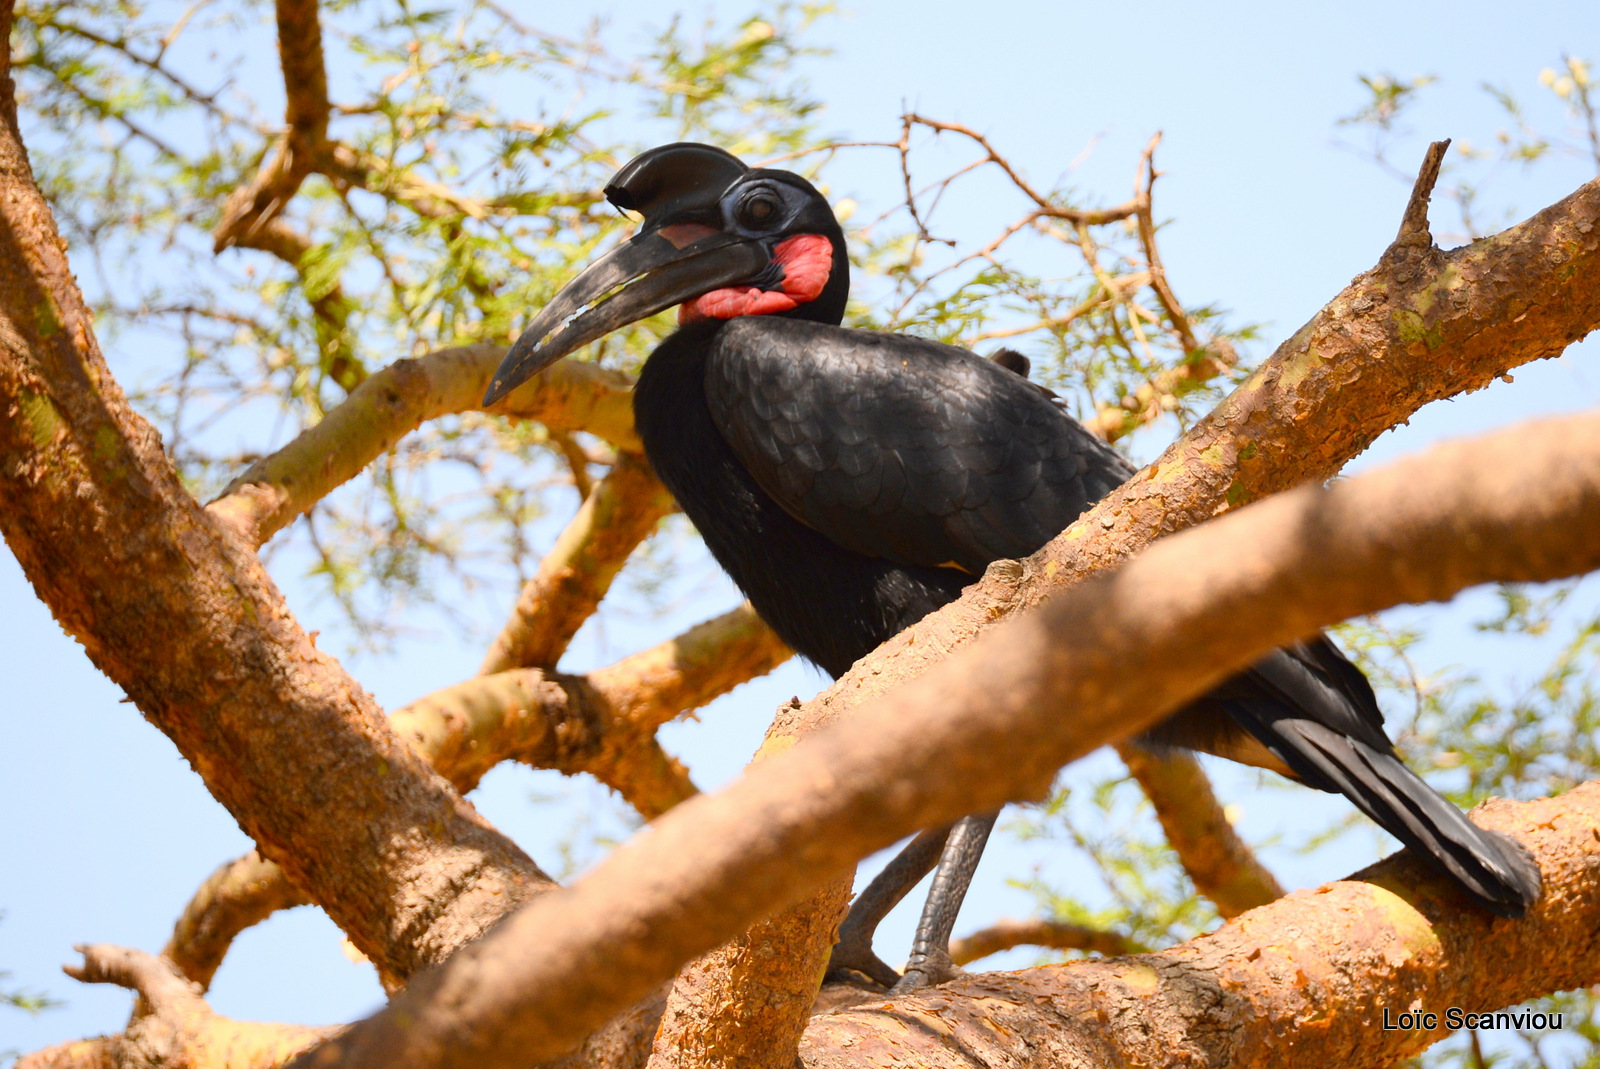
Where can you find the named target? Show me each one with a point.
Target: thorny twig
(1137, 330)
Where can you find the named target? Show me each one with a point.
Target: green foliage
(21, 999)
(465, 194)
(1389, 96)
(28, 1001)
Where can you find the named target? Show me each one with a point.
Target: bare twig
(1414, 226)
(1147, 236)
(1045, 206)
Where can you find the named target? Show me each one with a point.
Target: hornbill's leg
(930, 952)
(853, 952)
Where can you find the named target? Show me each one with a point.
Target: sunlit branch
(603, 724)
(574, 576)
(297, 152)
(1365, 362)
(178, 1027)
(397, 400)
(1222, 866)
(238, 895)
(1051, 934)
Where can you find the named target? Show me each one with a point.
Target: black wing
(902, 448)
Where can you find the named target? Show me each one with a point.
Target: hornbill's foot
(930, 952)
(854, 963)
(853, 960)
(928, 970)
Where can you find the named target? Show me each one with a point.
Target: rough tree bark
(203, 644)
(1245, 996)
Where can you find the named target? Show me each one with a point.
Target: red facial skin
(807, 260)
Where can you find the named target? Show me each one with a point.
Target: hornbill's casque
(851, 482)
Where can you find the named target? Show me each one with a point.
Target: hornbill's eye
(759, 210)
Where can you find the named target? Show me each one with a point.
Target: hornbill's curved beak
(676, 257)
(655, 270)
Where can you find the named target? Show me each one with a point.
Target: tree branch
(240, 894)
(428, 199)
(603, 725)
(1420, 326)
(659, 684)
(397, 400)
(1414, 226)
(1045, 207)
(1246, 996)
(180, 1029)
(1039, 932)
(1143, 405)
(296, 154)
(621, 513)
(1222, 866)
(1516, 506)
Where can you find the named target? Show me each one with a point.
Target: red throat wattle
(806, 259)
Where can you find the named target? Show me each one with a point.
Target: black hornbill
(852, 481)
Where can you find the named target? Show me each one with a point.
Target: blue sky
(107, 831)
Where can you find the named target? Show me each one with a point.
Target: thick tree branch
(659, 684)
(1420, 326)
(184, 618)
(1516, 506)
(396, 401)
(1222, 866)
(603, 725)
(622, 512)
(1247, 997)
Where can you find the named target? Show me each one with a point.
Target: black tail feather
(1316, 713)
(1497, 871)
